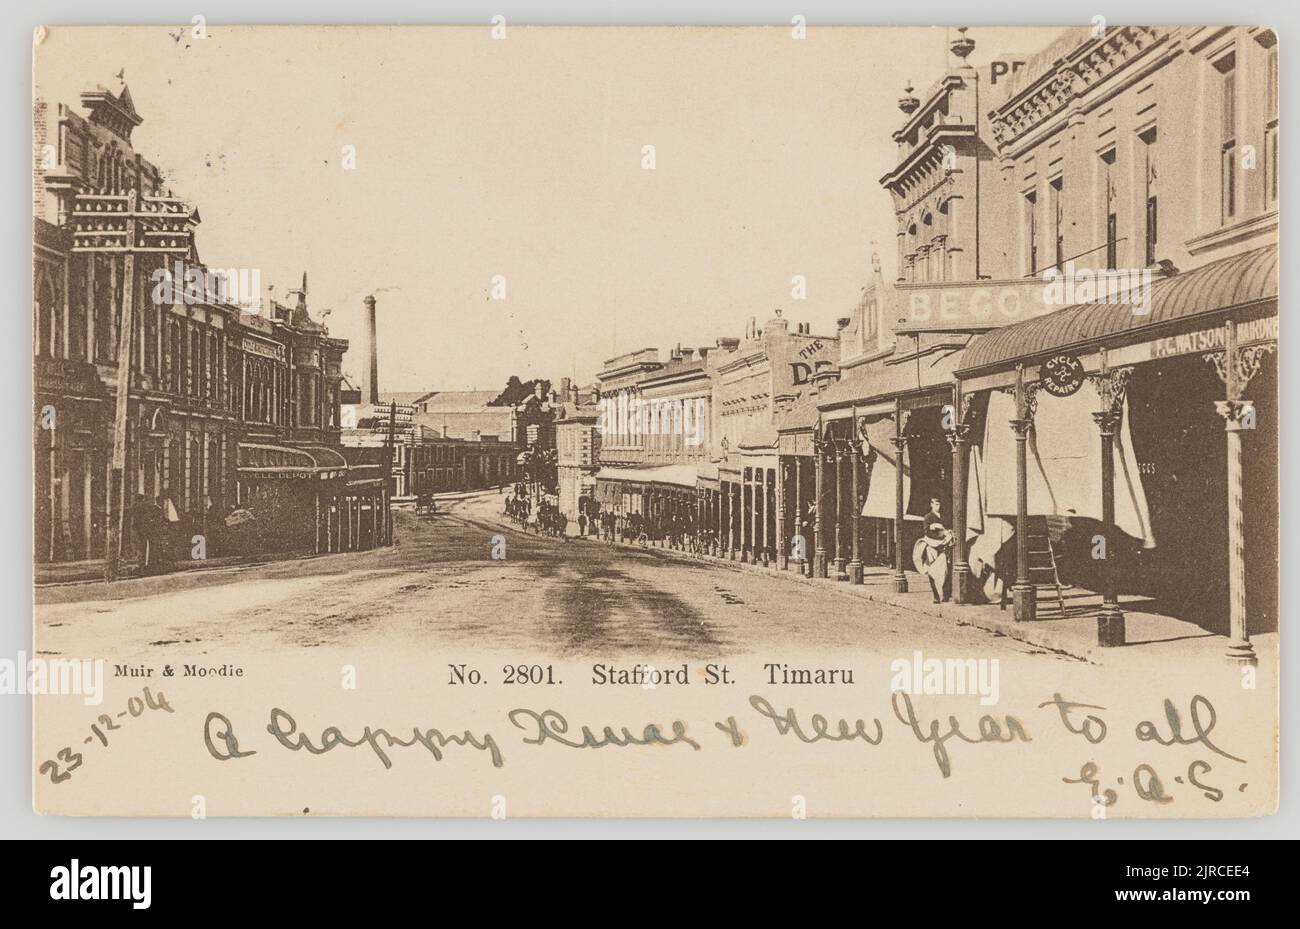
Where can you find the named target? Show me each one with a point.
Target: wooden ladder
(1044, 569)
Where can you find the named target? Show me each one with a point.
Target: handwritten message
(945, 738)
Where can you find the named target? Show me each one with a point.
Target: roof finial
(907, 103)
(963, 45)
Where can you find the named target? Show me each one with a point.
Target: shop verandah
(311, 499)
(1078, 460)
(729, 513)
(1127, 432)
(657, 505)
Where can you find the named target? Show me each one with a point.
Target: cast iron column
(1110, 621)
(1024, 596)
(801, 547)
(900, 443)
(855, 566)
(959, 438)
(819, 493)
(840, 573)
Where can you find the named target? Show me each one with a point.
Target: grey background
(17, 820)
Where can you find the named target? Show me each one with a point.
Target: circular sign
(1062, 375)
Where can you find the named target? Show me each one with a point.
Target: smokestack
(374, 349)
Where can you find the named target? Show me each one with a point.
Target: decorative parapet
(1072, 76)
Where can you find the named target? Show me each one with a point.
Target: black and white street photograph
(513, 420)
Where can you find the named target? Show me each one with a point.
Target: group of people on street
(545, 518)
(611, 526)
(931, 553)
(157, 534)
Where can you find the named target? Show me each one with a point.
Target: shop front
(306, 499)
(883, 459)
(654, 504)
(1139, 450)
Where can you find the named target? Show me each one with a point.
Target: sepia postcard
(795, 421)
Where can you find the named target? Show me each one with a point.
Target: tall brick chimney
(371, 329)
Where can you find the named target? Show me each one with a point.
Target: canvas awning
(881, 468)
(1063, 474)
(1171, 304)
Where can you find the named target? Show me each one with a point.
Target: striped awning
(1239, 282)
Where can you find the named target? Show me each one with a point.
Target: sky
(481, 159)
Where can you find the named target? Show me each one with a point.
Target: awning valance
(273, 462)
(679, 475)
(1237, 282)
(916, 370)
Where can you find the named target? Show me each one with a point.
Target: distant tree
(517, 391)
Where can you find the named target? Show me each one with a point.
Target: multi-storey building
(439, 465)
(757, 379)
(577, 452)
(230, 403)
(442, 441)
(1140, 177)
(656, 422)
(944, 165)
(1088, 270)
(863, 457)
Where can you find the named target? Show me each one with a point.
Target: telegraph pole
(126, 224)
(117, 483)
(385, 492)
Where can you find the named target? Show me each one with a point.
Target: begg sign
(968, 307)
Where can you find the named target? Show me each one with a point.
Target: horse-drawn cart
(425, 505)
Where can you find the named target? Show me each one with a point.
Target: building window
(195, 364)
(1031, 219)
(1270, 119)
(927, 252)
(1108, 208)
(1227, 69)
(1150, 176)
(1056, 190)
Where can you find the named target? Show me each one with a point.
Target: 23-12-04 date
(67, 760)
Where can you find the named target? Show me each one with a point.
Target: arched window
(46, 321)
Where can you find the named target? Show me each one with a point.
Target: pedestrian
(141, 531)
(213, 526)
(166, 530)
(933, 550)
(582, 525)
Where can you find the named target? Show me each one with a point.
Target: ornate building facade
(231, 402)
